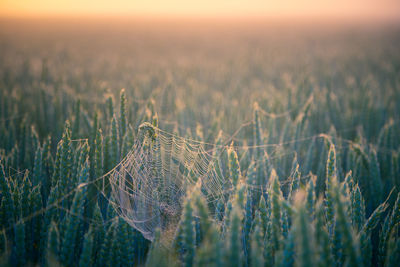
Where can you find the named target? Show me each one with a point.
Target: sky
(364, 9)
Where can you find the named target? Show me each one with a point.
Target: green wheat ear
(122, 114)
(114, 142)
(234, 167)
(276, 215)
(188, 234)
(233, 249)
(20, 244)
(330, 183)
(53, 245)
(85, 258)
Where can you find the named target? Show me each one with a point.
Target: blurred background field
(209, 69)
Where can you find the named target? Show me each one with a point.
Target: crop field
(139, 143)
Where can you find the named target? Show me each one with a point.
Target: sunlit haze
(333, 9)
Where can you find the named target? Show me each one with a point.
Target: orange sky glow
(349, 9)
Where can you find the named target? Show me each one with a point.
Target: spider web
(148, 186)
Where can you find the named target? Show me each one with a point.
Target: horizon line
(335, 19)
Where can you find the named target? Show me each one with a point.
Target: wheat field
(198, 144)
